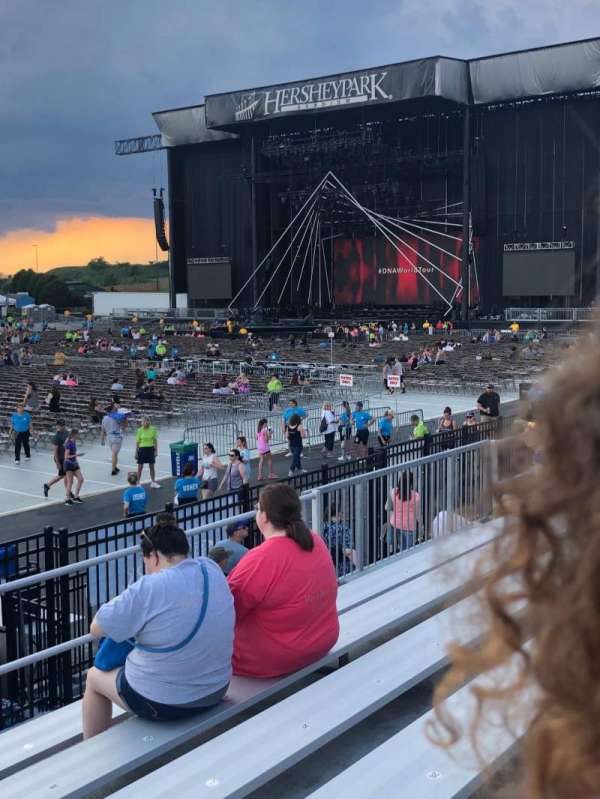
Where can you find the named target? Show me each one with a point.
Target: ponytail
(280, 503)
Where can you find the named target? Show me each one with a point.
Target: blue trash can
(182, 453)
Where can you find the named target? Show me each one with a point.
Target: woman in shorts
(72, 470)
(208, 470)
(345, 429)
(263, 445)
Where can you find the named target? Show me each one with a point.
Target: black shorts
(186, 500)
(385, 439)
(146, 455)
(60, 468)
(71, 466)
(362, 436)
(155, 711)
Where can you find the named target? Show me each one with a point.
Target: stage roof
(556, 69)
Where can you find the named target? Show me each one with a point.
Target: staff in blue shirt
(135, 497)
(386, 428)
(187, 487)
(21, 425)
(362, 420)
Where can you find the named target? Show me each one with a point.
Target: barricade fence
(52, 584)
(224, 435)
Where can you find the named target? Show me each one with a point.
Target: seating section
(404, 604)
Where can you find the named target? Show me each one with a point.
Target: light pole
(331, 337)
(35, 247)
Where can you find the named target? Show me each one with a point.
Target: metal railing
(549, 314)
(55, 608)
(223, 435)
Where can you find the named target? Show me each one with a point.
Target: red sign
(347, 380)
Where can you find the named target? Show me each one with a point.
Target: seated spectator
(234, 544)
(284, 592)
(243, 384)
(117, 387)
(338, 537)
(59, 358)
(169, 674)
(219, 555)
(135, 497)
(187, 486)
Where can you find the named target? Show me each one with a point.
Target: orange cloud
(76, 241)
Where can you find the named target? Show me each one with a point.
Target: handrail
(71, 568)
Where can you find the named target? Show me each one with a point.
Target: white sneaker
(16, 461)
(342, 458)
(154, 485)
(287, 454)
(291, 473)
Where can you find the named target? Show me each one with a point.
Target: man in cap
(233, 544)
(488, 404)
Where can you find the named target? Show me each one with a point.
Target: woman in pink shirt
(263, 445)
(403, 506)
(284, 592)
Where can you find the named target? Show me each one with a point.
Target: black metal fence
(60, 610)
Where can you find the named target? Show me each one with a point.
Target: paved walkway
(24, 510)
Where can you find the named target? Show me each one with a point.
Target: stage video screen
(371, 270)
(209, 281)
(538, 273)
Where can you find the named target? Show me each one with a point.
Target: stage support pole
(466, 199)
(170, 185)
(253, 215)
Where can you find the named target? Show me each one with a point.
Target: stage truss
(305, 231)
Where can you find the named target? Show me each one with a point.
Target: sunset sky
(76, 76)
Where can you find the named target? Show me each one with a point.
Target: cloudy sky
(77, 74)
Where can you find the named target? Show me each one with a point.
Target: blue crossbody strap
(194, 630)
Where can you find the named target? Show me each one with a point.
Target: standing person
(235, 472)
(20, 423)
(488, 403)
(403, 506)
(387, 371)
(58, 443)
(112, 432)
(242, 444)
(31, 400)
(234, 544)
(288, 413)
(447, 423)
(146, 450)
(345, 429)
(295, 436)
(284, 592)
(420, 429)
(53, 400)
(135, 498)
(362, 420)
(398, 370)
(385, 428)
(72, 470)
(328, 427)
(208, 470)
(187, 487)
(263, 439)
(274, 389)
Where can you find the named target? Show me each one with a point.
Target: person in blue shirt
(386, 428)
(362, 420)
(187, 487)
(20, 423)
(345, 430)
(135, 497)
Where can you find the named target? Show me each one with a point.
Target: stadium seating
(402, 600)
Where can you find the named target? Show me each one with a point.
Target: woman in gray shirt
(181, 616)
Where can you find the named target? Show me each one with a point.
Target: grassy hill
(125, 276)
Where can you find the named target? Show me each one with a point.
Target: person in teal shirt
(386, 428)
(135, 497)
(187, 487)
(362, 420)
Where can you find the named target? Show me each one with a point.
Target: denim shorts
(157, 711)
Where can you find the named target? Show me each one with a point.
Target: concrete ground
(24, 510)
